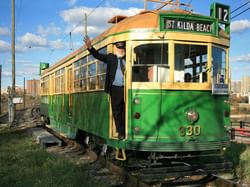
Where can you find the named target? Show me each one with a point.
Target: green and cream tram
(176, 84)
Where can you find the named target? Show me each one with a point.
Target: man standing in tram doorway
(114, 83)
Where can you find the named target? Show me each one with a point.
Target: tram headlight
(137, 101)
(192, 115)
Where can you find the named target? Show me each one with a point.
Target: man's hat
(120, 45)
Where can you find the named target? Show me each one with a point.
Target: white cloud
(241, 58)
(97, 20)
(71, 2)
(52, 29)
(6, 73)
(4, 31)
(4, 46)
(57, 44)
(38, 42)
(240, 25)
(32, 40)
(27, 71)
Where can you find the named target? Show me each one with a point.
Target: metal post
(13, 90)
(0, 89)
(24, 92)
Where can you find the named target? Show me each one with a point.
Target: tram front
(178, 85)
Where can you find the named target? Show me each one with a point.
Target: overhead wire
(70, 32)
(247, 3)
(240, 13)
(240, 6)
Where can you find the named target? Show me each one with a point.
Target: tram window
(151, 54)
(92, 83)
(219, 65)
(190, 63)
(151, 63)
(91, 58)
(59, 81)
(101, 71)
(83, 74)
(92, 70)
(83, 84)
(92, 76)
(45, 85)
(101, 81)
(77, 64)
(103, 50)
(76, 74)
(102, 67)
(83, 60)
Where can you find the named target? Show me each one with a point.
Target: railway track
(114, 174)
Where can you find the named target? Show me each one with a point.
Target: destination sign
(220, 89)
(187, 25)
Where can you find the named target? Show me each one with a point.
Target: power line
(240, 7)
(80, 22)
(240, 13)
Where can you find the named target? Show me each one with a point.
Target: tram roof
(124, 23)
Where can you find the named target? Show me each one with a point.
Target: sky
(47, 31)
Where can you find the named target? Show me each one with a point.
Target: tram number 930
(190, 130)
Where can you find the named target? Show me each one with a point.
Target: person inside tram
(187, 77)
(114, 82)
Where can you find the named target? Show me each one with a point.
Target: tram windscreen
(151, 63)
(190, 63)
(219, 65)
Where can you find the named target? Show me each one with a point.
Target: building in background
(33, 87)
(245, 86)
(236, 87)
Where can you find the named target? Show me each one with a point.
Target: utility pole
(0, 89)
(12, 107)
(24, 92)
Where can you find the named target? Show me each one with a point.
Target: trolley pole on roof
(13, 89)
(85, 25)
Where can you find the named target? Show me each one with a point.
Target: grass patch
(24, 163)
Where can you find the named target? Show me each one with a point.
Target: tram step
(44, 138)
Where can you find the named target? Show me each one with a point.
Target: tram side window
(190, 63)
(151, 63)
(82, 77)
(101, 74)
(80, 70)
(92, 76)
(76, 79)
(59, 81)
(101, 70)
(219, 65)
(45, 85)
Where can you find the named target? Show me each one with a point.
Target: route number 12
(222, 13)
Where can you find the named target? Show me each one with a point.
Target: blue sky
(43, 27)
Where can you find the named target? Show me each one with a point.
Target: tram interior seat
(178, 76)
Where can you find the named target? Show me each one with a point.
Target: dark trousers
(118, 108)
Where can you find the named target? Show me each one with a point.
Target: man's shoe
(120, 137)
